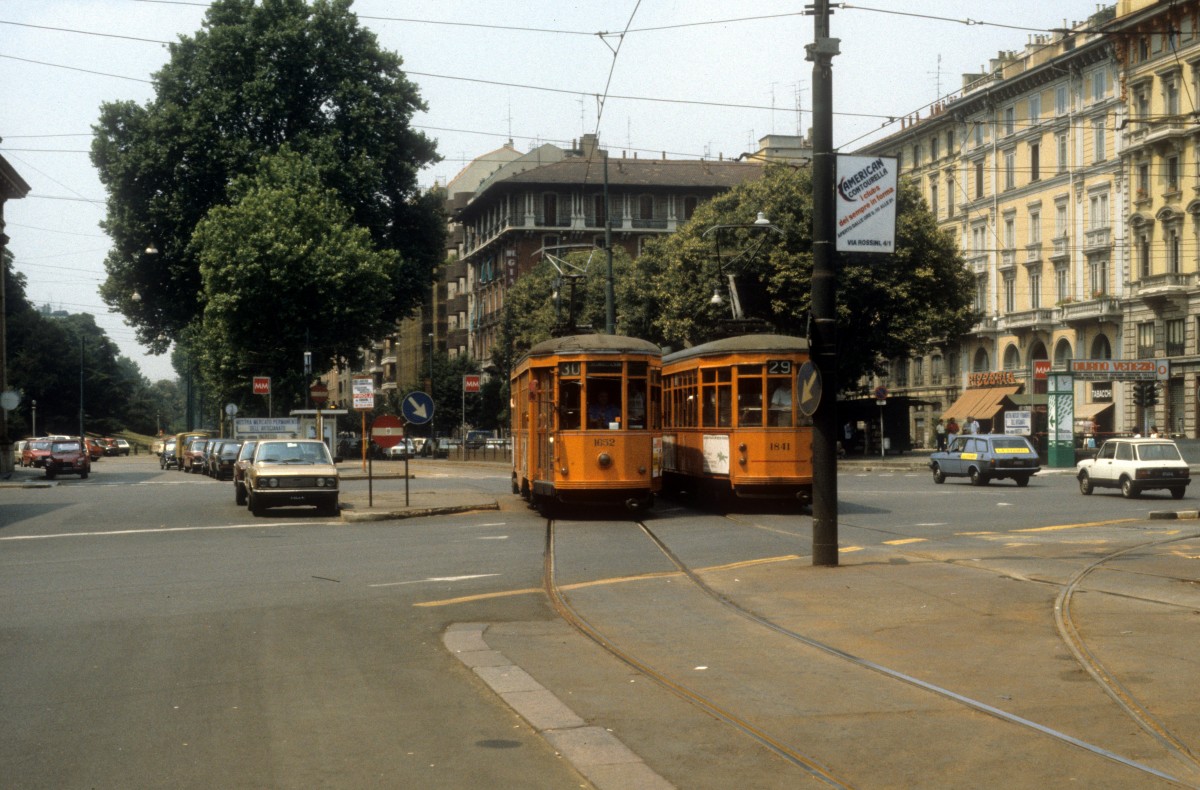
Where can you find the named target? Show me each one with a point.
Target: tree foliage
(284, 270)
(888, 306)
(259, 76)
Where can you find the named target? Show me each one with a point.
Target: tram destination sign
(1120, 369)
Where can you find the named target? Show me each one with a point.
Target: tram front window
(604, 403)
(636, 400)
(781, 402)
(568, 405)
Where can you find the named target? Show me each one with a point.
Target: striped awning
(982, 403)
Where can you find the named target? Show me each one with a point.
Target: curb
(354, 516)
(1174, 514)
(594, 751)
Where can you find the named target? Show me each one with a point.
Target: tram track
(1174, 746)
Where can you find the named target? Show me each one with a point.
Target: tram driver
(601, 412)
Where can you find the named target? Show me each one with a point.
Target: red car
(35, 452)
(95, 448)
(67, 457)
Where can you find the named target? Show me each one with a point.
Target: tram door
(543, 424)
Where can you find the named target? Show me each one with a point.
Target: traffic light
(1151, 396)
(1139, 393)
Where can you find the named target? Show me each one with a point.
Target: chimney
(588, 145)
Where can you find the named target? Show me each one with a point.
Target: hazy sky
(695, 78)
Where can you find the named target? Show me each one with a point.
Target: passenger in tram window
(602, 412)
(750, 399)
(569, 417)
(781, 404)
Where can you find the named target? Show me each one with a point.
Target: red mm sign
(471, 382)
(262, 385)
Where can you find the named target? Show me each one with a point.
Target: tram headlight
(605, 460)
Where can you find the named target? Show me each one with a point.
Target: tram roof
(741, 344)
(593, 344)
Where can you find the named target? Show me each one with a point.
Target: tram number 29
(779, 367)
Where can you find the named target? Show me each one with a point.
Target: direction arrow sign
(387, 430)
(809, 379)
(417, 407)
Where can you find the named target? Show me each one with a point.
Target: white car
(1134, 466)
(405, 448)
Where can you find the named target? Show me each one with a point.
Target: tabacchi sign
(866, 203)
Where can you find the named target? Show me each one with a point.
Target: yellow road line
(902, 541)
(1058, 527)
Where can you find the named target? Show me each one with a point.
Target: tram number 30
(779, 367)
(781, 446)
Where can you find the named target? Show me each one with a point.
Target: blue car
(986, 457)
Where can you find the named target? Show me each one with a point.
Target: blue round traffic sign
(417, 407)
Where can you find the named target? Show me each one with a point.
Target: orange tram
(587, 422)
(731, 426)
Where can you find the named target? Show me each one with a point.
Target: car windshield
(294, 453)
(65, 447)
(1164, 451)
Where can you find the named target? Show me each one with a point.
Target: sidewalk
(388, 500)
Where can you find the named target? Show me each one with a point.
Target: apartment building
(1026, 167)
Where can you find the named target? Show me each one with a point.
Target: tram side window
(717, 391)
(750, 396)
(569, 394)
(636, 401)
(656, 399)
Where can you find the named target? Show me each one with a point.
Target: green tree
(257, 76)
(888, 305)
(284, 270)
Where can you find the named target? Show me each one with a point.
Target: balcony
(1033, 253)
(1008, 258)
(985, 325)
(1061, 250)
(1042, 319)
(1105, 308)
(1097, 240)
(978, 263)
(1160, 287)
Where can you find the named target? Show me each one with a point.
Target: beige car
(292, 472)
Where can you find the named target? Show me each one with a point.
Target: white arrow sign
(418, 408)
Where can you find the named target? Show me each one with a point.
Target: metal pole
(81, 342)
(610, 310)
(823, 336)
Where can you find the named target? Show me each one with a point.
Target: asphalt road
(156, 635)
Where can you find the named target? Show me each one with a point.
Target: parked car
(244, 458)
(166, 458)
(123, 447)
(226, 457)
(35, 452)
(95, 448)
(212, 452)
(108, 444)
(477, 439)
(192, 459)
(67, 457)
(986, 457)
(405, 448)
(1134, 466)
(287, 472)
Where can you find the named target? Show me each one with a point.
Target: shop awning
(1089, 411)
(1029, 400)
(982, 404)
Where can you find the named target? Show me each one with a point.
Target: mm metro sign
(471, 382)
(262, 385)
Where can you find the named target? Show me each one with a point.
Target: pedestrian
(971, 425)
(951, 431)
(939, 431)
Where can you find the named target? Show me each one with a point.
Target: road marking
(1057, 527)
(849, 549)
(436, 579)
(903, 541)
(161, 530)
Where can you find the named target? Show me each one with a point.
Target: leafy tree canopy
(888, 305)
(257, 76)
(284, 270)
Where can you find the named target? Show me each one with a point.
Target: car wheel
(1022, 480)
(49, 473)
(1085, 484)
(239, 495)
(255, 507)
(939, 476)
(1177, 493)
(83, 475)
(332, 510)
(978, 478)
(1128, 489)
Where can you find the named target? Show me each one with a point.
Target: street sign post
(417, 407)
(386, 431)
(262, 386)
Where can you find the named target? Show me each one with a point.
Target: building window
(1010, 169)
(979, 179)
(1173, 329)
(935, 371)
(1035, 161)
(1171, 96)
(1035, 108)
(1010, 233)
(1035, 288)
(690, 204)
(1099, 154)
(1062, 289)
(950, 196)
(1172, 173)
(1060, 143)
(1171, 242)
(1145, 339)
(916, 156)
(599, 215)
(1099, 277)
(1099, 84)
(1143, 181)
(918, 372)
(934, 153)
(978, 134)
(1060, 100)
(1098, 211)
(1141, 103)
(1143, 252)
(1060, 220)
(934, 205)
(549, 209)
(1035, 226)
(950, 143)
(1010, 120)
(1010, 293)
(981, 285)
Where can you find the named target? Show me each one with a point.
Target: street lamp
(726, 267)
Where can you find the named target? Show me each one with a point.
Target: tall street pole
(610, 314)
(823, 332)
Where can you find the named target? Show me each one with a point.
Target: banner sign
(266, 427)
(1124, 369)
(865, 208)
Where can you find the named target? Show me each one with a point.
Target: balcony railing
(1033, 252)
(1008, 257)
(1097, 239)
(1105, 309)
(1042, 318)
(978, 262)
(1161, 285)
(1061, 250)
